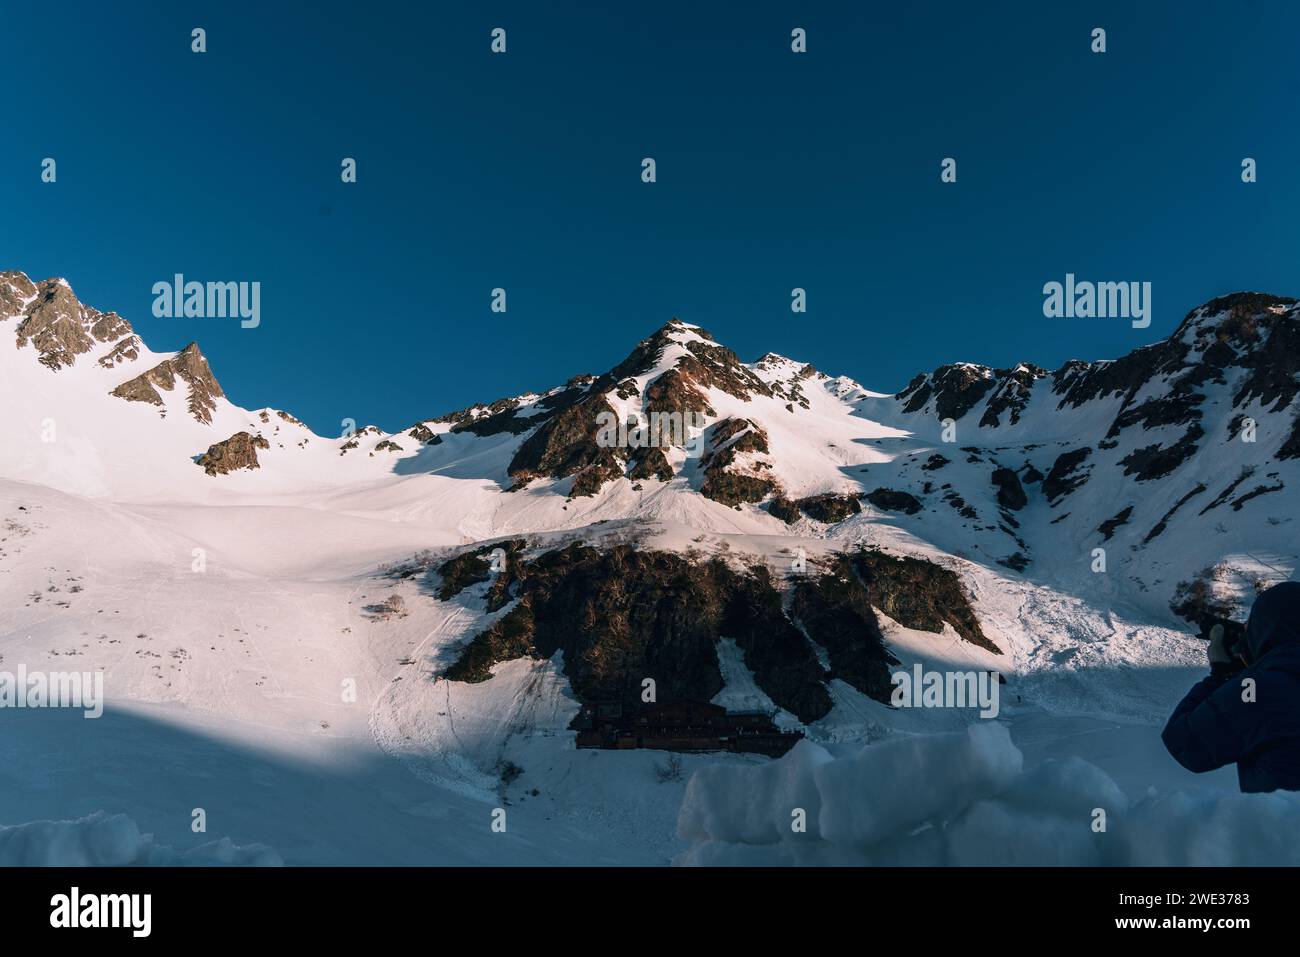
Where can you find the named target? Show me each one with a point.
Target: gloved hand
(1217, 652)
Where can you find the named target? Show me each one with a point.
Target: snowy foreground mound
(103, 840)
(965, 798)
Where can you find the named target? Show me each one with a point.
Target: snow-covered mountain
(760, 534)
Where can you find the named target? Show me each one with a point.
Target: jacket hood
(1274, 621)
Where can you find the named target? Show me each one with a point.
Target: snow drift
(104, 840)
(964, 798)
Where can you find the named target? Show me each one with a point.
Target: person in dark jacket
(1248, 710)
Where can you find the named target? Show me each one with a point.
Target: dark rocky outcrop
(237, 452)
(502, 423)
(1239, 502)
(475, 566)
(1161, 525)
(956, 389)
(1156, 461)
(424, 435)
(835, 610)
(1064, 477)
(59, 327)
(128, 350)
(960, 505)
(189, 366)
(15, 290)
(893, 500)
(920, 594)
(827, 507)
(568, 444)
(621, 615)
(675, 392)
(1245, 473)
(1011, 494)
(790, 388)
(1011, 394)
(723, 479)
(648, 463)
(716, 366)
(784, 509)
(1107, 528)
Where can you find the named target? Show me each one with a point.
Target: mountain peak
(188, 365)
(57, 325)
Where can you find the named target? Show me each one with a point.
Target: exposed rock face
(787, 378)
(919, 594)
(424, 435)
(191, 367)
(56, 325)
(1107, 528)
(622, 615)
(650, 463)
(675, 392)
(827, 507)
(718, 367)
(128, 350)
(955, 389)
(1161, 525)
(237, 452)
(476, 566)
(1156, 461)
(15, 290)
(515, 415)
(568, 444)
(729, 479)
(830, 507)
(479, 411)
(1249, 339)
(647, 353)
(1011, 394)
(1065, 476)
(893, 500)
(566, 423)
(1011, 494)
(784, 509)
(835, 610)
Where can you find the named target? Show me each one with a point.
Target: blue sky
(522, 171)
